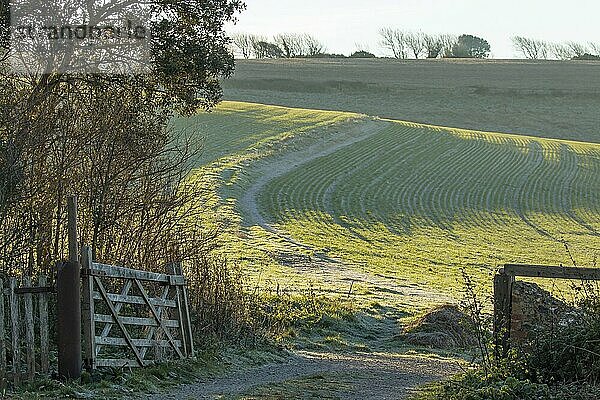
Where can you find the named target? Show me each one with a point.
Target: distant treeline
(408, 44)
(402, 44)
(535, 49)
(285, 45)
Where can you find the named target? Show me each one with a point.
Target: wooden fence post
(87, 310)
(502, 313)
(14, 323)
(29, 330)
(186, 314)
(2, 338)
(43, 313)
(68, 301)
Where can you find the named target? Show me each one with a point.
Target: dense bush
(587, 57)
(469, 46)
(475, 385)
(362, 54)
(570, 352)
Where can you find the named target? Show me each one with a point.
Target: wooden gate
(24, 338)
(133, 318)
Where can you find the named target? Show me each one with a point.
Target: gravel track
(360, 376)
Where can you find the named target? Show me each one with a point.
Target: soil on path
(323, 375)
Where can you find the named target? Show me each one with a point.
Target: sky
(345, 25)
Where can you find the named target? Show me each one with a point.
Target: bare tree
(311, 45)
(264, 49)
(400, 43)
(362, 47)
(257, 48)
(594, 48)
(577, 49)
(387, 40)
(243, 43)
(394, 40)
(433, 45)
(562, 51)
(415, 42)
(448, 43)
(298, 45)
(532, 49)
(292, 44)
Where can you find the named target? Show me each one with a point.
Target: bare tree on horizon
(532, 49)
(243, 43)
(394, 41)
(578, 49)
(415, 42)
(434, 45)
(562, 51)
(312, 46)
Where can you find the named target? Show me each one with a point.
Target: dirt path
(323, 375)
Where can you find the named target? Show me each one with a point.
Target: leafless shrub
(532, 49)
(243, 44)
(482, 321)
(415, 42)
(561, 51)
(222, 307)
(434, 45)
(291, 44)
(394, 41)
(577, 49)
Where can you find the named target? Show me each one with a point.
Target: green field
(538, 98)
(305, 197)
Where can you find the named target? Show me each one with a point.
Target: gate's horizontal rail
(545, 271)
(111, 341)
(30, 290)
(118, 298)
(169, 323)
(111, 271)
(120, 363)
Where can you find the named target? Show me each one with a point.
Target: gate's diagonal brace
(108, 326)
(159, 310)
(158, 319)
(115, 316)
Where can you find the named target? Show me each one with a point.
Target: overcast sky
(344, 24)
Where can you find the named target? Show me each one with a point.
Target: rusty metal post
(68, 286)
